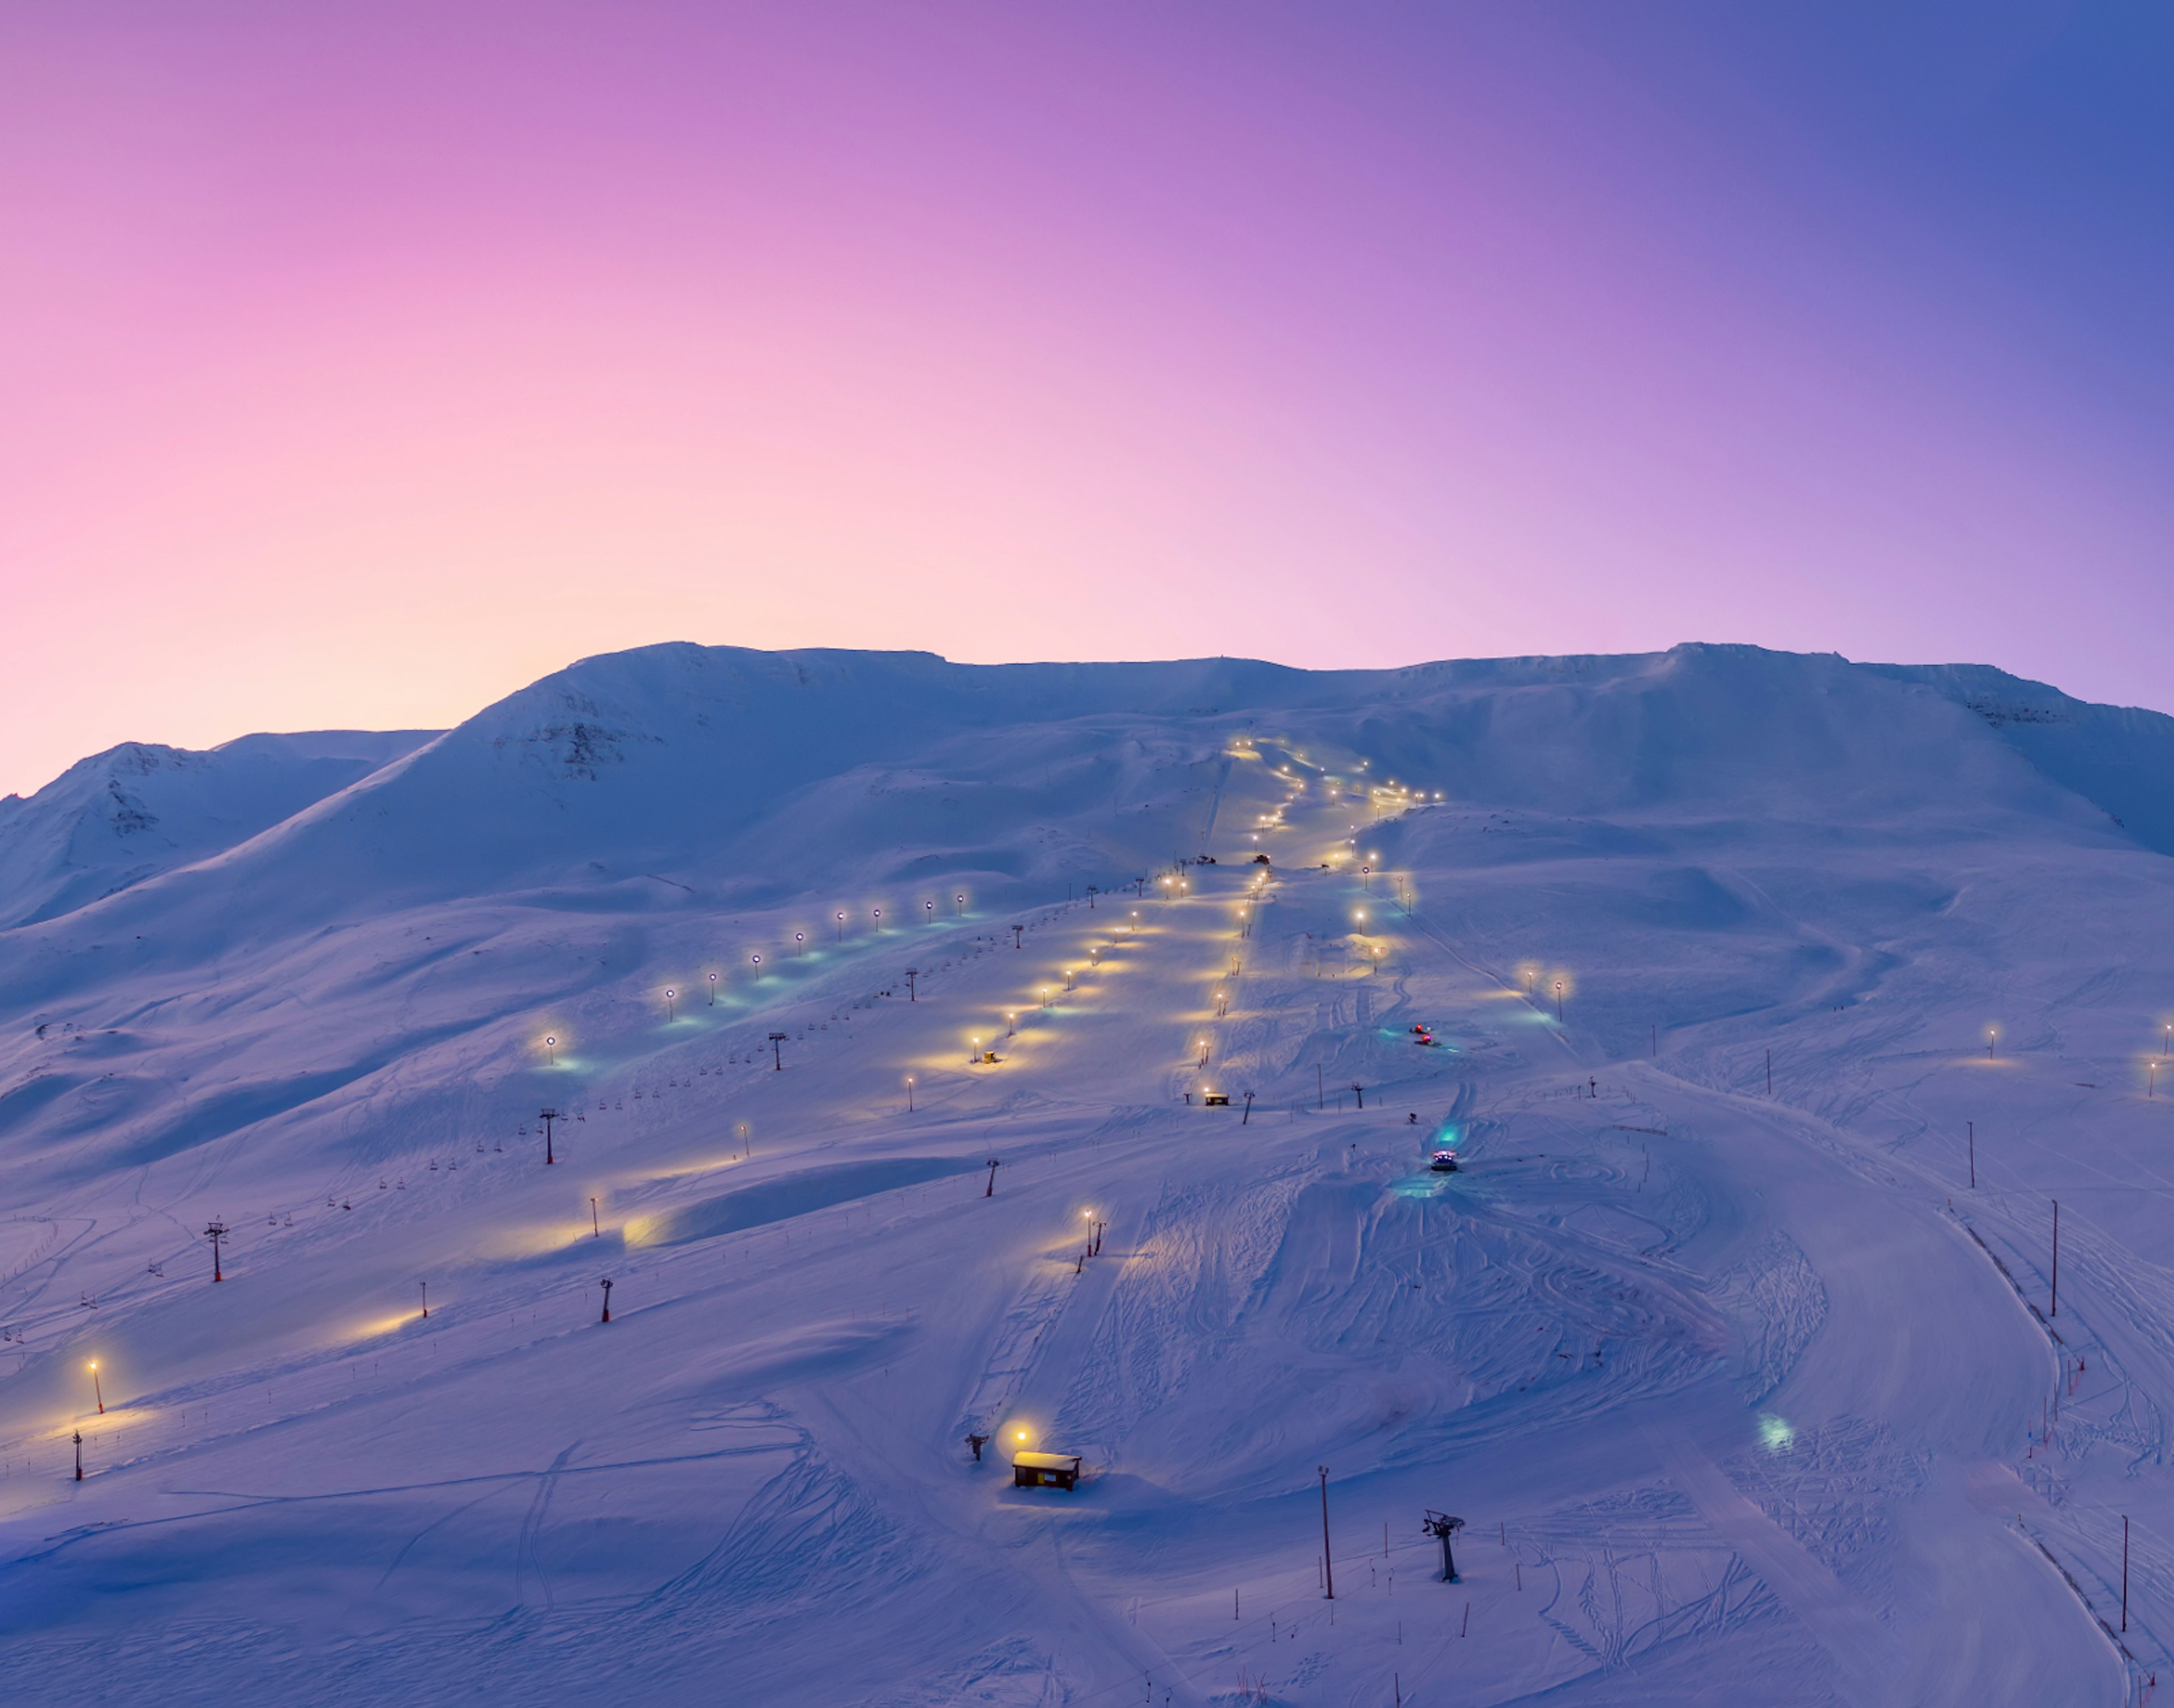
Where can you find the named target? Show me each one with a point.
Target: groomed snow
(1746, 1395)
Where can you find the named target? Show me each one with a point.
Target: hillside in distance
(1768, 998)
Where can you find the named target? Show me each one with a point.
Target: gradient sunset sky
(360, 364)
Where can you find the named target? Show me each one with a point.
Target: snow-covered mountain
(1738, 1378)
(138, 810)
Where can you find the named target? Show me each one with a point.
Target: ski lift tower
(777, 1059)
(547, 1116)
(1441, 1525)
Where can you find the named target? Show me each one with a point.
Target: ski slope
(1745, 1391)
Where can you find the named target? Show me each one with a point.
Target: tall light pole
(79, 1455)
(961, 901)
(97, 1390)
(426, 1297)
(1327, 1565)
(1558, 1002)
(713, 989)
(841, 925)
(671, 1004)
(551, 1050)
(909, 1094)
(606, 1284)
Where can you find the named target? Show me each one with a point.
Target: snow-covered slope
(124, 815)
(1743, 1385)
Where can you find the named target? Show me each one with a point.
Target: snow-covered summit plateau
(1770, 1002)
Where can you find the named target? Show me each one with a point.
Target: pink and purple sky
(361, 364)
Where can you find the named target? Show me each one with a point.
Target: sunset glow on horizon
(367, 364)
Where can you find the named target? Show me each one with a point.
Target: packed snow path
(1745, 1395)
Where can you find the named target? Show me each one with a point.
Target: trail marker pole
(547, 1116)
(776, 1054)
(2056, 1311)
(606, 1284)
(2124, 1571)
(1770, 1072)
(79, 1455)
(216, 1232)
(1327, 1565)
(1320, 1088)
(595, 1232)
(990, 1191)
(1972, 1126)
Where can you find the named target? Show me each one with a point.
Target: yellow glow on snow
(538, 1240)
(374, 1327)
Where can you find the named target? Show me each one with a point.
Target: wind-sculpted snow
(1740, 1361)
